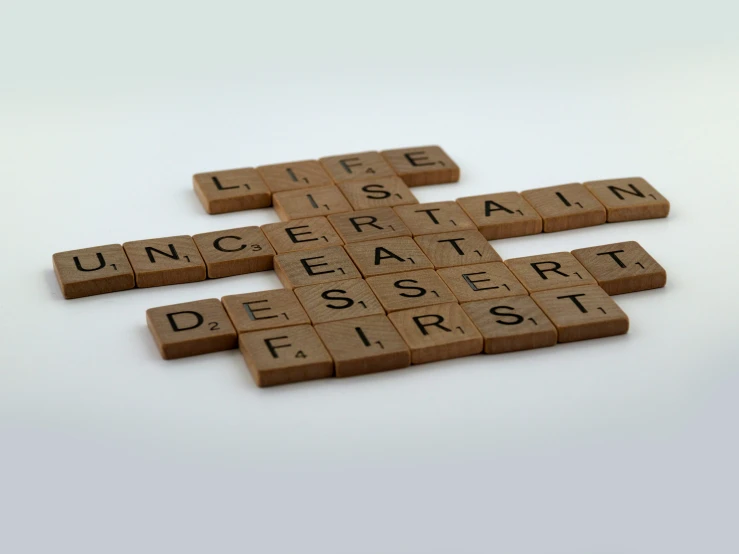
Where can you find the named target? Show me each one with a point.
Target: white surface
(617, 445)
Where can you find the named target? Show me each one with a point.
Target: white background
(619, 445)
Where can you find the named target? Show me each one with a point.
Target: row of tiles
(251, 188)
(280, 346)
(441, 229)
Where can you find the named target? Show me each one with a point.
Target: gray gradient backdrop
(620, 445)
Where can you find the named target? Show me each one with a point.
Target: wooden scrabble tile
(581, 313)
(422, 165)
(364, 345)
(232, 190)
(362, 165)
(365, 194)
(165, 261)
(378, 223)
(457, 248)
(481, 281)
(378, 257)
(622, 267)
(296, 204)
(511, 324)
(439, 332)
(338, 300)
(301, 234)
(550, 271)
(322, 265)
(235, 251)
(410, 289)
(191, 328)
(294, 176)
(285, 355)
(91, 271)
(502, 215)
(629, 199)
(434, 217)
(564, 207)
(267, 309)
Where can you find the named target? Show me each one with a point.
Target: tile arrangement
(375, 280)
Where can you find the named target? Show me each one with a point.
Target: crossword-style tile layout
(375, 280)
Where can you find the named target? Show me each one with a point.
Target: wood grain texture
(294, 175)
(91, 271)
(434, 217)
(622, 267)
(511, 324)
(581, 313)
(301, 234)
(191, 328)
(378, 223)
(629, 199)
(565, 207)
(322, 265)
(285, 355)
(410, 289)
(231, 190)
(502, 215)
(165, 261)
(378, 257)
(422, 165)
(366, 194)
(481, 281)
(457, 248)
(234, 251)
(439, 332)
(267, 309)
(361, 165)
(297, 204)
(550, 271)
(338, 300)
(364, 345)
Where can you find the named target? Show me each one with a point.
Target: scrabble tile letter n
(629, 199)
(422, 165)
(165, 261)
(93, 271)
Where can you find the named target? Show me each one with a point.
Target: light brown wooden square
(378, 257)
(581, 313)
(232, 190)
(629, 199)
(191, 328)
(165, 261)
(366, 194)
(622, 267)
(91, 271)
(422, 165)
(410, 289)
(457, 248)
(481, 281)
(502, 215)
(235, 251)
(439, 332)
(511, 324)
(564, 207)
(285, 355)
(338, 300)
(434, 217)
(379, 223)
(267, 309)
(364, 345)
(322, 265)
(301, 234)
(550, 271)
(294, 175)
(296, 204)
(362, 165)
